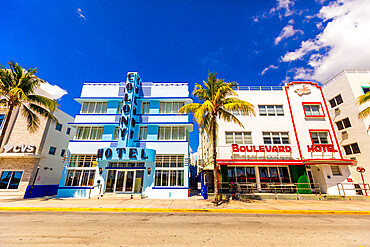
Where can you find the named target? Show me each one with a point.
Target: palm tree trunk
(215, 175)
(5, 125)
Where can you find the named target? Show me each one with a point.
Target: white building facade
(290, 140)
(342, 92)
(130, 140)
(31, 163)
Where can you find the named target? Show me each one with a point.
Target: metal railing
(237, 188)
(92, 187)
(360, 189)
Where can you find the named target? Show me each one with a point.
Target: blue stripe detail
(141, 98)
(167, 188)
(125, 168)
(162, 114)
(112, 123)
(161, 141)
(75, 187)
(165, 123)
(101, 114)
(90, 141)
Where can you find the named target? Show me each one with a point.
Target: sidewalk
(194, 204)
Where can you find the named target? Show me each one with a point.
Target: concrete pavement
(193, 204)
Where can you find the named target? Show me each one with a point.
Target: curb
(177, 210)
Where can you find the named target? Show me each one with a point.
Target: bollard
(188, 192)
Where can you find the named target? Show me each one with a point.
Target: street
(181, 229)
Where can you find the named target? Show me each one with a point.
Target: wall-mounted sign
(303, 90)
(127, 153)
(262, 148)
(22, 148)
(321, 148)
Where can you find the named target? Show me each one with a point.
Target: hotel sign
(261, 148)
(303, 90)
(321, 148)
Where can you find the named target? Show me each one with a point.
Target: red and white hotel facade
(291, 135)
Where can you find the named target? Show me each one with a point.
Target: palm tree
(218, 101)
(17, 89)
(362, 100)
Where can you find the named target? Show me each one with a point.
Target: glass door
(111, 181)
(120, 181)
(129, 183)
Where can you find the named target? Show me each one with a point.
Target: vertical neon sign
(127, 121)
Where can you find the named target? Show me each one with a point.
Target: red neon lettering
(249, 149)
(268, 148)
(235, 147)
(262, 149)
(242, 148)
(274, 149)
(288, 149)
(281, 149)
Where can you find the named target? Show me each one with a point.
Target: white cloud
(287, 32)
(285, 6)
(53, 91)
(267, 68)
(343, 42)
(79, 12)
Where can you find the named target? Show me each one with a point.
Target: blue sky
(266, 42)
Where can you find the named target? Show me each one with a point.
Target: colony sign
(262, 148)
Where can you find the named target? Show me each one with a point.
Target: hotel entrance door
(124, 181)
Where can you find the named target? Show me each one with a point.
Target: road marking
(185, 210)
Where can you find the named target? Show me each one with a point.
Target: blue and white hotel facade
(129, 140)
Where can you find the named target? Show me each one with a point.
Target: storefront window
(231, 174)
(284, 174)
(240, 172)
(80, 178)
(10, 179)
(274, 176)
(264, 176)
(251, 174)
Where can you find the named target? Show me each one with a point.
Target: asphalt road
(178, 229)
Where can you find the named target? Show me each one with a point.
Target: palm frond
(228, 117)
(189, 108)
(235, 104)
(363, 98)
(33, 121)
(364, 113)
(43, 112)
(50, 104)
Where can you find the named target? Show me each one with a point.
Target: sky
(265, 42)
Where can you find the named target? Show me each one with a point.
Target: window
(116, 134)
(170, 107)
(337, 100)
(169, 160)
(312, 110)
(82, 160)
(274, 174)
(352, 149)
(77, 177)
(238, 137)
(127, 164)
(275, 138)
(169, 178)
(366, 89)
(343, 124)
(52, 150)
(145, 108)
(68, 131)
(335, 170)
(89, 133)
(271, 110)
(120, 104)
(171, 133)
(94, 107)
(242, 174)
(2, 117)
(10, 180)
(62, 152)
(143, 132)
(59, 127)
(319, 137)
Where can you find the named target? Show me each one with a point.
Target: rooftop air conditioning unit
(344, 134)
(354, 160)
(337, 111)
